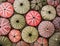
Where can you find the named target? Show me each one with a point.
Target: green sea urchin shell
(17, 21)
(4, 41)
(37, 4)
(29, 34)
(55, 40)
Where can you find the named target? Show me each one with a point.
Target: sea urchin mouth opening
(49, 12)
(36, 3)
(21, 4)
(4, 9)
(14, 36)
(17, 21)
(30, 34)
(0, 26)
(54, 0)
(33, 17)
(29, 0)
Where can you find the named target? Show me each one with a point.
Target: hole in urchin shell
(17, 21)
(21, 4)
(14, 36)
(29, 0)
(36, 3)
(54, 0)
(0, 44)
(0, 26)
(30, 34)
(49, 12)
(33, 17)
(4, 9)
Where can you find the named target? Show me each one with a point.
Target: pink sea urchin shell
(15, 35)
(41, 42)
(53, 2)
(33, 18)
(46, 29)
(6, 10)
(4, 26)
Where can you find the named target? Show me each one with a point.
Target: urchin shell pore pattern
(4, 41)
(37, 4)
(33, 18)
(41, 42)
(17, 21)
(4, 26)
(53, 2)
(22, 43)
(29, 34)
(21, 6)
(6, 10)
(56, 23)
(48, 12)
(55, 40)
(14, 35)
(46, 29)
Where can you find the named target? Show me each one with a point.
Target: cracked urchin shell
(53, 2)
(17, 21)
(6, 10)
(33, 18)
(22, 43)
(41, 42)
(37, 4)
(48, 12)
(21, 6)
(58, 10)
(46, 29)
(4, 26)
(4, 41)
(55, 39)
(14, 35)
(56, 23)
(11, 1)
(29, 34)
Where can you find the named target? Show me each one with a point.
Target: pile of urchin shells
(29, 22)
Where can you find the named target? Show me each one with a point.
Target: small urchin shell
(33, 18)
(37, 4)
(55, 39)
(29, 34)
(21, 6)
(48, 12)
(46, 29)
(6, 10)
(22, 43)
(41, 42)
(14, 35)
(17, 21)
(58, 10)
(4, 41)
(56, 23)
(53, 2)
(4, 26)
